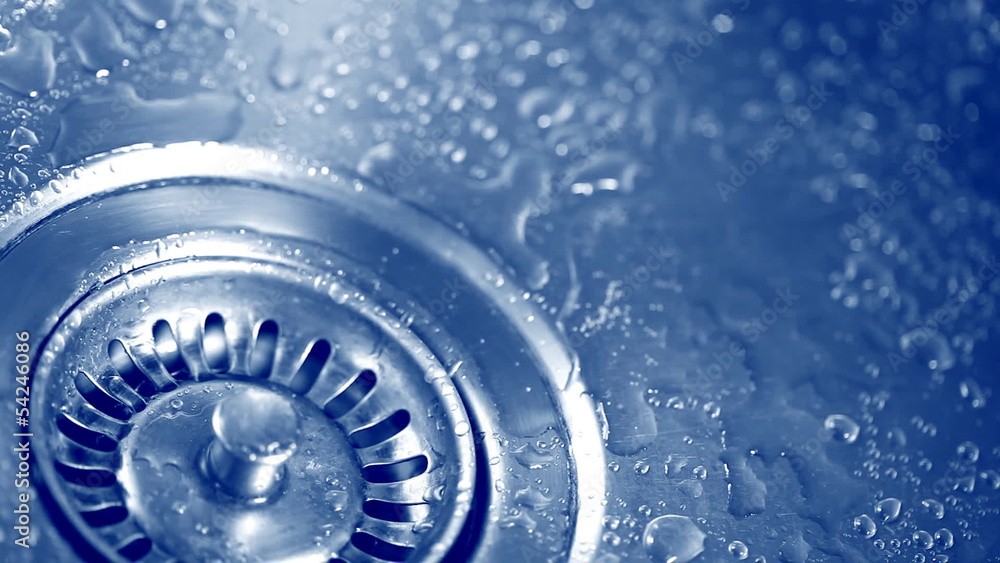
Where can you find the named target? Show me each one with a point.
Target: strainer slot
(381, 430)
(380, 548)
(128, 370)
(354, 393)
(396, 512)
(396, 471)
(91, 477)
(136, 549)
(168, 350)
(214, 344)
(100, 398)
(74, 430)
(311, 366)
(107, 516)
(264, 347)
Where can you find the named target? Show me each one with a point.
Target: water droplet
(673, 538)
(206, 116)
(286, 69)
(968, 453)
(722, 23)
(19, 178)
(22, 137)
(30, 64)
(6, 40)
(888, 509)
(971, 391)
(923, 539)
(222, 13)
(100, 43)
(739, 550)
(842, 428)
(992, 478)
(944, 538)
(933, 507)
(865, 526)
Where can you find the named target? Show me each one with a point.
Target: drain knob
(255, 433)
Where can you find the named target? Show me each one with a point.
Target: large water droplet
(739, 550)
(22, 137)
(18, 177)
(923, 539)
(865, 526)
(30, 64)
(205, 116)
(842, 428)
(888, 509)
(933, 507)
(673, 538)
(99, 42)
(944, 538)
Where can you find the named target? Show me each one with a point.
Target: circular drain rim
(144, 169)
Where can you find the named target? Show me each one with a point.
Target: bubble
(673, 538)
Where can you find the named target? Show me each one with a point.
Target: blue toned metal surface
(547, 280)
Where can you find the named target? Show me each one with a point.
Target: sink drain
(186, 433)
(245, 360)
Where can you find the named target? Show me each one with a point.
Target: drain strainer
(215, 407)
(243, 361)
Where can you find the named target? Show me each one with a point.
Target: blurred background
(767, 230)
